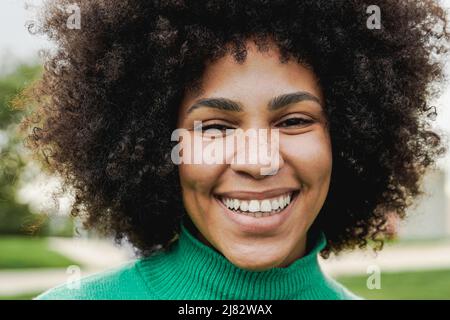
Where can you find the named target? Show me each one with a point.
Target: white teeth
(281, 201)
(236, 204)
(275, 204)
(244, 206)
(253, 206)
(266, 206)
(259, 208)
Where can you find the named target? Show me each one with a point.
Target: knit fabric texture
(194, 271)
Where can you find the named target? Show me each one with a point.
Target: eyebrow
(275, 103)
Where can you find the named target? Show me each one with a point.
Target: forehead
(260, 76)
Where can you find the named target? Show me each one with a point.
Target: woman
(345, 106)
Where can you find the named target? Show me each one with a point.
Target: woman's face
(232, 203)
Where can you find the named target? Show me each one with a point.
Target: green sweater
(192, 270)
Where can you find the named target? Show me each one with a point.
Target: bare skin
(305, 158)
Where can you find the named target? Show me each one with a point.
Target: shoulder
(123, 282)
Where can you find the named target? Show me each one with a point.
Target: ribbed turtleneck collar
(193, 270)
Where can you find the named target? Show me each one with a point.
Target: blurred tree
(11, 85)
(14, 216)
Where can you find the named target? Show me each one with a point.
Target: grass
(30, 252)
(424, 285)
(24, 296)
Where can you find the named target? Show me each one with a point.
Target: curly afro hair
(107, 102)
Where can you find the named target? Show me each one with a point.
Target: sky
(17, 44)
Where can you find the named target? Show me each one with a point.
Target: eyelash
(215, 126)
(222, 127)
(303, 121)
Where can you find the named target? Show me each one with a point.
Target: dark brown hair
(108, 100)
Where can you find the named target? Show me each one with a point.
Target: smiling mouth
(259, 208)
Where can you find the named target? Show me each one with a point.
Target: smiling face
(258, 221)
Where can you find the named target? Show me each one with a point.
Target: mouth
(255, 216)
(259, 208)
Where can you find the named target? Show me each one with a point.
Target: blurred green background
(17, 219)
(23, 232)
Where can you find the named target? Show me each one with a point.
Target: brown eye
(295, 122)
(217, 126)
(217, 130)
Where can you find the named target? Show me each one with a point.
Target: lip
(252, 195)
(260, 225)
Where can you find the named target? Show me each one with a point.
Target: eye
(217, 126)
(223, 128)
(295, 122)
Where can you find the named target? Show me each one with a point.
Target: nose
(257, 156)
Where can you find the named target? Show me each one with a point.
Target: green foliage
(15, 218)
(10, 86)
(13, 215)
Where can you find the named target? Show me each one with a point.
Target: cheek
(309, 154)
(200, 178)
(197, 175)
(197, 182)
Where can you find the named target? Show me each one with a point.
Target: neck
(199, 271)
